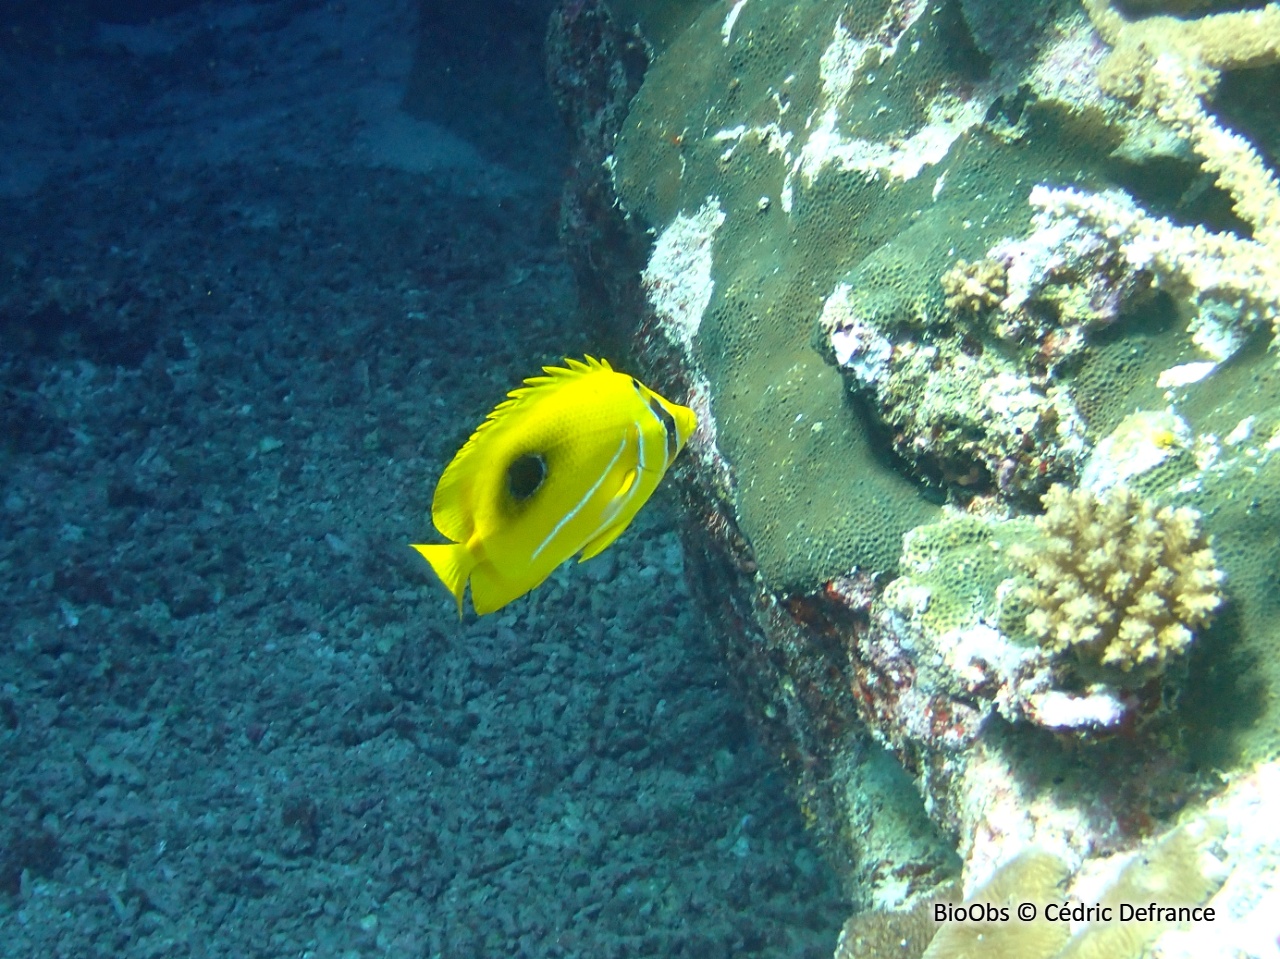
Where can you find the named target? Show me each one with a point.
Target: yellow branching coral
(1115, 579)
(1169, 67)
(1203, 45)
(973, 287)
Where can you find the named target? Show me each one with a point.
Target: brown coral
(974, 287)
(877, 934)
(1122, 583)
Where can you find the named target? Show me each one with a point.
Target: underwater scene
(640, 478)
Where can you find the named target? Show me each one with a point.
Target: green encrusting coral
(817, 496)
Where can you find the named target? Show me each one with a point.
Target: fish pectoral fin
(453, 563)
(600, 542)
(624, 488)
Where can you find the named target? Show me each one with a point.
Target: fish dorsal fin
(449, 507)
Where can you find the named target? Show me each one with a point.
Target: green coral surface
(728, 120)
(873, 144)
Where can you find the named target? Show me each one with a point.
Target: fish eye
(525, 476)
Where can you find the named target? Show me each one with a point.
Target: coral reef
(920, 271)
(883, 933)
(1170, 67)
(1229, 283)
(1033, 876)
(1183, 868)
(943, 632)
(1119, 582)
(969, 420)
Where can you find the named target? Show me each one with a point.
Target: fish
(560, 468)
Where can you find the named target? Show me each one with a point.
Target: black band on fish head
(664, 417)
(525, 476)
(669, 425)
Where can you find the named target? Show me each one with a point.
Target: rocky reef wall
(979, 306)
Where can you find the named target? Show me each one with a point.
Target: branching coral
(973, 287)
(1122, 583)
(1203, 46)
(1170, 67)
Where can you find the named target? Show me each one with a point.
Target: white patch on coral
(1031, 261)
(1020, 407)
(845, 61)
(1226, 283)
(908, 598)
(1242, 432)
(859, 347)
(726, 29)
(733, 134)
(678, 279)
(1215, 329)
(901, 158)
(705, 445)
(1141, 442)
(977, 651)
(1185, 374)
(1207, 451)
(774, 138)
(1000, 817)
(1066, 67)
(1057, 709)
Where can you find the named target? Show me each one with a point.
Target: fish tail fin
(453, 563)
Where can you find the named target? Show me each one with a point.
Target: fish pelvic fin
(453, 563)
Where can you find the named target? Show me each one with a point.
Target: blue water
(249, 307)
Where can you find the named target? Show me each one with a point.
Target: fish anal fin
(453, 563)
(490, 592)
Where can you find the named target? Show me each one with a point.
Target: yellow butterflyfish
(559, 468)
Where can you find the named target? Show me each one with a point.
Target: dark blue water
(263, 266)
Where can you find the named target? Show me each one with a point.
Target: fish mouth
(686, 421)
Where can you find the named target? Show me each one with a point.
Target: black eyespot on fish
(525, 476)
(669, 425)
